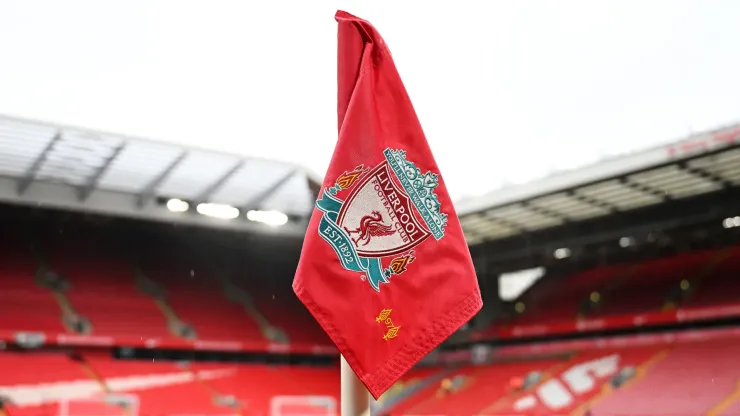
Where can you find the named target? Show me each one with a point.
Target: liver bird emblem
(370, 226)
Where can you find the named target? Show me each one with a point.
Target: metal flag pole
(355, 399)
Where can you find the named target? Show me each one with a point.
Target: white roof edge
(127, 137)
(693, 145)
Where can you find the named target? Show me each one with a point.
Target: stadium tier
(50, 384)
(664, 378)
(79, 289)
(118, 296)
(690, 286)
(93, 294)
(23, 304)
(692, 378)
(569, 381)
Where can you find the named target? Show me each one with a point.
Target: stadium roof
(81, 169)
(699, 164)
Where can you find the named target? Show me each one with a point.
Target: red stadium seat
(722, 286)
(649, 286)
(198, 299)
(24, 305)
(282, 309)
(560, 298)
(690, 380)
(36, 381)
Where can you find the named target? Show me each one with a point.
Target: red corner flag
(385, 268)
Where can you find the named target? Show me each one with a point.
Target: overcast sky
(507, 91)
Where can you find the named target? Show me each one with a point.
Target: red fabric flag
(385, 268)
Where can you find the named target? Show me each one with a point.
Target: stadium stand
(192, 296)
(81, 284)
(469, 390)
(632, 288)
(162, 387)
(278, 303)
(102, 313)
(413, 388)
(691, 380)
(553, 300)
(102, 289)
(694, 286)
(648, 284)
(23, 304)
(31, 380)
(721, 286)
(37, 383)
(256, 385)
(670, 379)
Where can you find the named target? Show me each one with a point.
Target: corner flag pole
(355, 399)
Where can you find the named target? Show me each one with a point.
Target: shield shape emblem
(379, 217)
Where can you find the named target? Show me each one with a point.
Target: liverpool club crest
(386, 212)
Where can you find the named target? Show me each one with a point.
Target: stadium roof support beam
(644, 188)
(545, 212)
(28, 176)
(206, 194)
(89, 187)
(704, 174)
(475, 233)
(148, 192)
(594, 235)
(256, 201)
(506, 223)
(591, 201)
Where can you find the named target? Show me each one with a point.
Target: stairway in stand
(240, 296)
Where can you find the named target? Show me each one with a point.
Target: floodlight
(272, 218)
(177, 205)
(222, 211)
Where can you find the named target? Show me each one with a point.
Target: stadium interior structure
(143, 278)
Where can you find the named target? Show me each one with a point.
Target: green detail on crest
(420, 189)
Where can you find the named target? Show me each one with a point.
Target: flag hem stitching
(428, 338)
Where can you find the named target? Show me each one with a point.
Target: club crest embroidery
(385, 212)
(385, 318)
